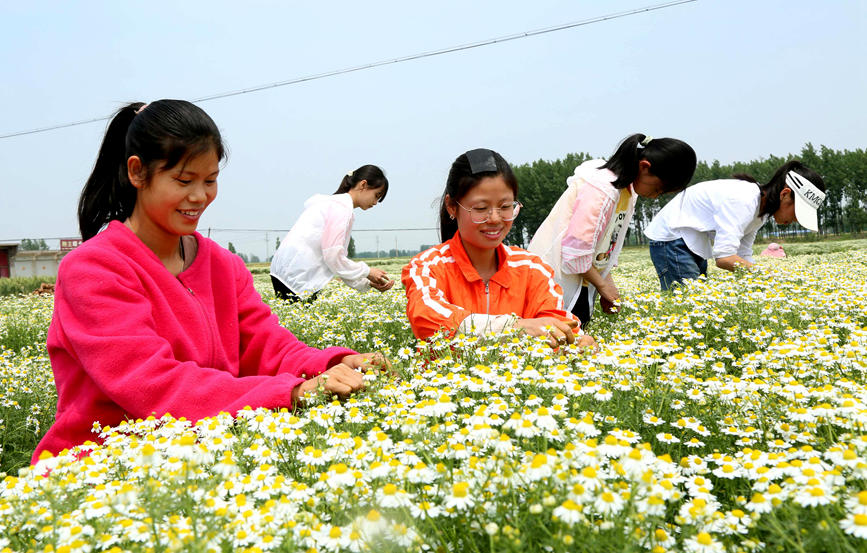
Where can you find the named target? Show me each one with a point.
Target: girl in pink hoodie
(150, 317)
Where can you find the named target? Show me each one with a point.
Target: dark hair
(672, 160)
(371, 173)
(462, 179)
(771, 191)
(746, 177)
(162, 134)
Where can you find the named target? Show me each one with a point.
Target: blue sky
(738, 80)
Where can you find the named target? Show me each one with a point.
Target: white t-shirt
(716, 218)
(315, 250)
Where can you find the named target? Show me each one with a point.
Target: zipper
(207, 322)
(487, 300)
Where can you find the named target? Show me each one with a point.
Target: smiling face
(490, 192)
(170, 203)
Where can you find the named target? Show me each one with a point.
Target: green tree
(540, 186)
(350, 251)
(232, 248)
(33, 245)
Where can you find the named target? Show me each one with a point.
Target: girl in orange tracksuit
(474, 284)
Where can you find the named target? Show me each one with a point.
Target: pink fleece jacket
(128, 339)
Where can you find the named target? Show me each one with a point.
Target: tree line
(35, 244)
(844, 172)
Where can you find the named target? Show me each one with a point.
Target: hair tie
(481, 161)
(139, 110)
(349, 174)
(645, 142)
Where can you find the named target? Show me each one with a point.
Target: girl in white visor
(720, 219)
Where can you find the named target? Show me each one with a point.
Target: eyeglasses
(480, 215)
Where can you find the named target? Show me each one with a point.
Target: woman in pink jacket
(582, 236)
(150, 317)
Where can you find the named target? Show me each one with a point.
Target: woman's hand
(609, 295)
(558, 332)
(340, 380)
(609, 291)
(587, 341)
(383, 287)
(364, 361)
(379, 279)
(344, 378)
(732, 262)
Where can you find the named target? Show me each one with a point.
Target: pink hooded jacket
(128, 339)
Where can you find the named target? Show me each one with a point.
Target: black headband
(481, 161)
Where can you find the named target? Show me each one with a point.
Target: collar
(592, 173)
(502, 277)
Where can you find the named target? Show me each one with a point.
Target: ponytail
(672, 160)
(108, 194)
(161, 134)
(371, 173)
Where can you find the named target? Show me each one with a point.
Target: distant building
(7, 252)
(15, 262)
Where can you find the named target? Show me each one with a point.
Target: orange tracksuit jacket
(443, 288)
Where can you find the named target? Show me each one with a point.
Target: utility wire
(365, 66)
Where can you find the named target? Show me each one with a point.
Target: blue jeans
(674, 261)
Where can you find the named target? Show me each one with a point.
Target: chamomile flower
(855, 524)
(460, 497)
(570, 513)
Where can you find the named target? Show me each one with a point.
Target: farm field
(728, 415)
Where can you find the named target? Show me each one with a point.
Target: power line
(381, 63)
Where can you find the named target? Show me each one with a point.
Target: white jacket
(315, 250)
(715, 218)
(579, 224)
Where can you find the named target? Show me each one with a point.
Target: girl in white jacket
(582, 236)
(719, 219)
(315, 250)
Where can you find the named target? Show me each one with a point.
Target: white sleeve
(335, 243)
(732, 219)
(360, 284)
(746, 248)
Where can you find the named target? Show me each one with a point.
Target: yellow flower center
(460, 489)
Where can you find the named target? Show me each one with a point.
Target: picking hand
(370, 360)
(609, 292)
(587, 341)
(377, 276)
(384, 286)
(340, 380)
(558, 332)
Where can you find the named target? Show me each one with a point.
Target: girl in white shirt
(721, 218)
(315, 250)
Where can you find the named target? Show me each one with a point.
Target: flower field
(729, 415)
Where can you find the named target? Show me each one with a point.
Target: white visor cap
(808, 198)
